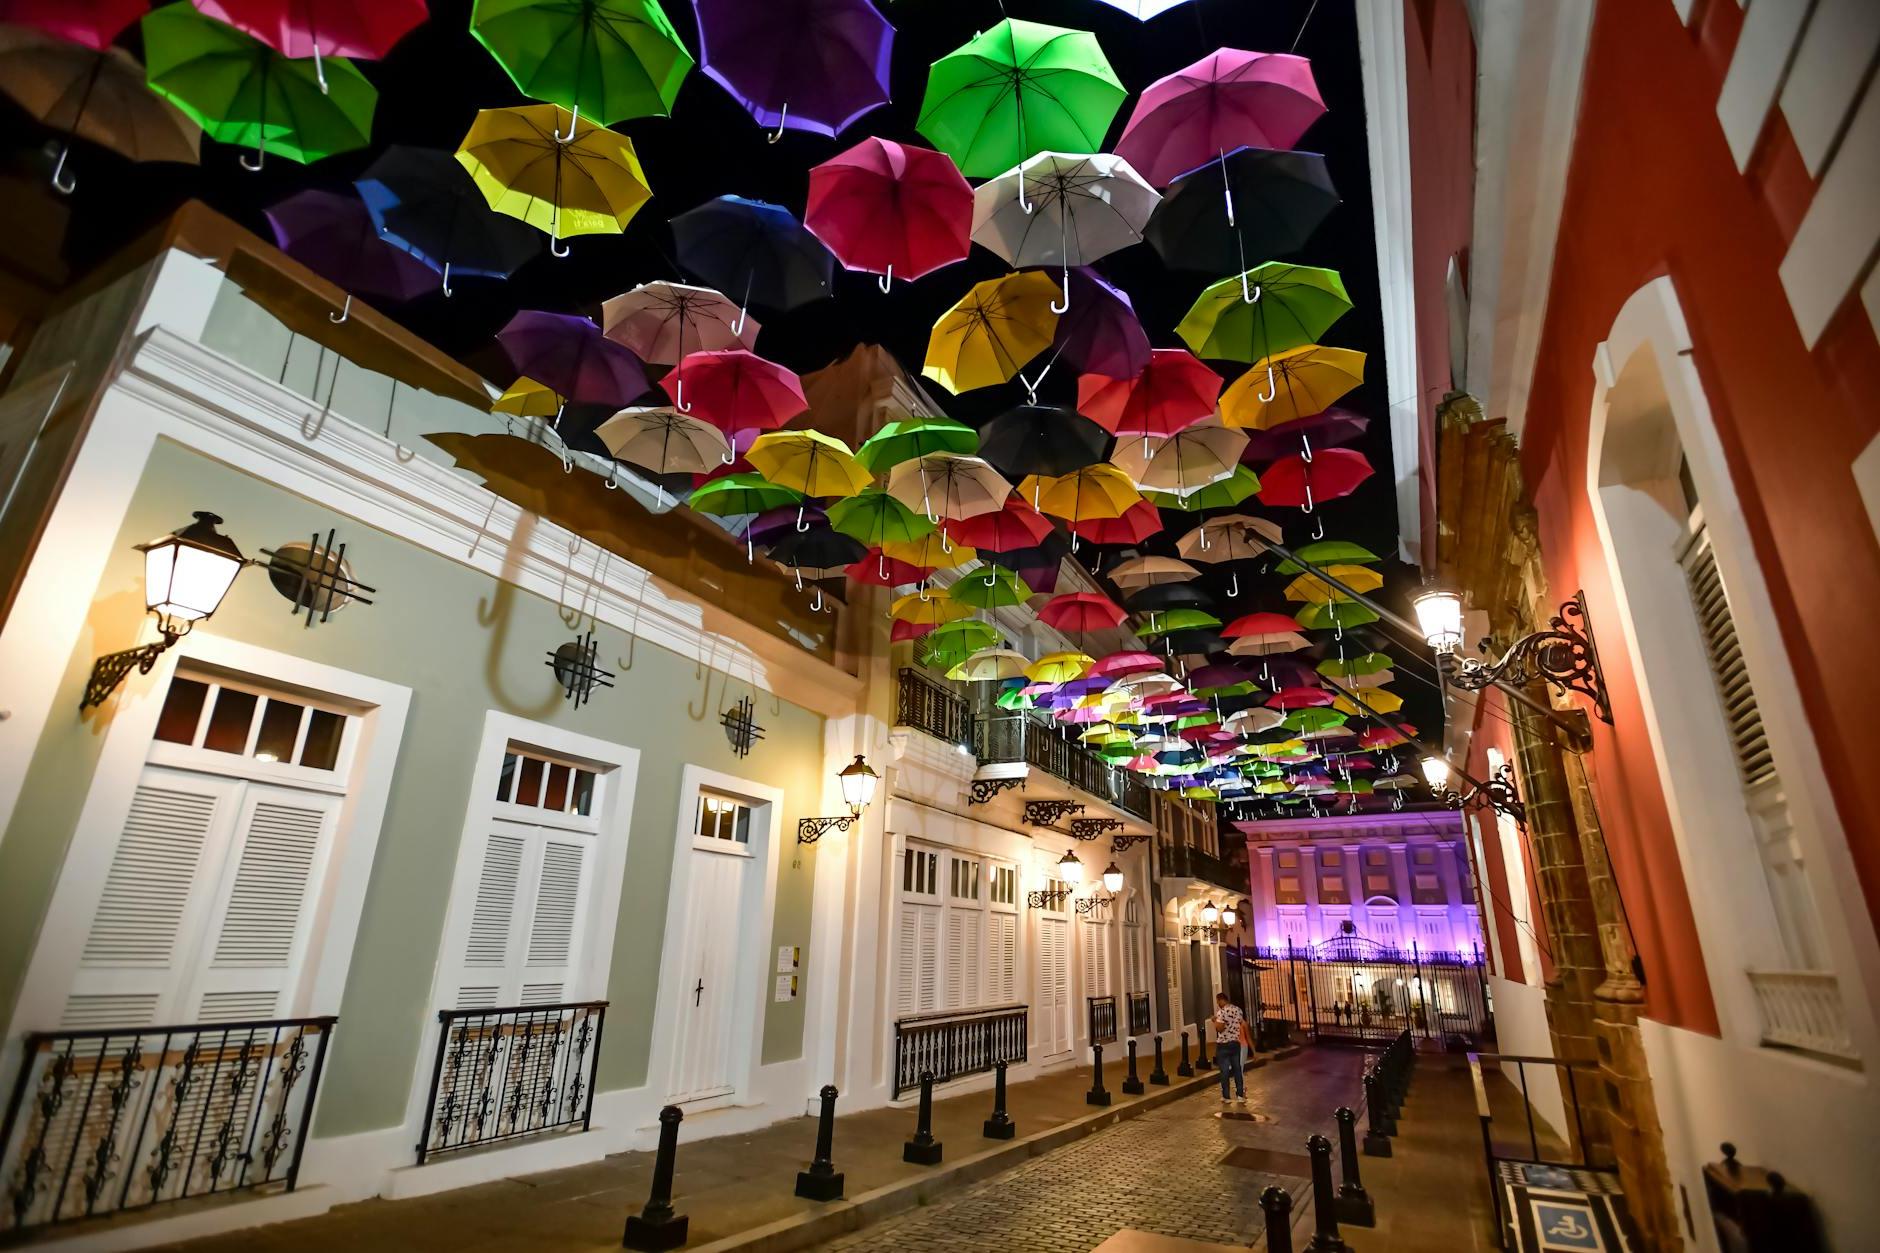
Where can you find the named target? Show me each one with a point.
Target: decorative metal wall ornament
(809, 830)
(1564, 654)
(1497, 792)
(983, 790)
(1123, 843)
(1091, 904)
(741, 727)
(1047, 813)
(1094, 828)
(576, 670)
(1048, 899)
(1208, 931)
(314, 576)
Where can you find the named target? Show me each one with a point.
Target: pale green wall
(464, 643)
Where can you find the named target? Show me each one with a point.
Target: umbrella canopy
(1299, 698)
(808, 462)
(1017, 89)
(1058, 667)
(922, 607)
(1042, 439)
(1228, 99)
(933, 551)
(1291, 385)
(570, 355)
(526, 398)
(992, 332)
(907, 438)
(734, 389)
(1132, 526)
(990, 665)
(1328, 552)
(1268, 644)
(1168, 596)
(1374, 700)
(1228, 537)
(1098, 491)
(1183, 462)
(665, 441)
(754, 251)
(1333, 473)
(1314, 720)
(242, 92)
(1081, 611)
(426, 202)
(1251, 203)
(1125, 664)
(875, 518)
(879, 568)
(808, 65)
(990, 587)
(1014, 526)
(818, 548)
(734, 494)
(1063, 209)
(1179, 619)
(1099, 333)
(1173, 391)
(949, 485)
(1254, 721)
(605, 60)
(1223, 493)
(334, 236)
(965, 637)
(662, 322)
(1149, 571)
(322, 28)
(591, 184)
(1263, 311)
(1338, 615)
(95, 24)
(887, 208)
(97, 96)
(1329, 429)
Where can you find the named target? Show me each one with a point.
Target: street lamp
(1113, 879)
(1498, 792)
(1070, 869)
(1210, 913)
(1563, 654)
(1435, 773)
(186, 575)
(1227, 915)
(1439, 617)
(858, 782)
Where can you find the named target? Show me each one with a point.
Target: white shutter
(955, 963)
(521, 945)
(1748, 738)
(554, 921)
(927, 968)
(906, 960)
(492, 921)
(970, 956)
(1002, 970)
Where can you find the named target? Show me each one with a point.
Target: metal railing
(1133, 795)
(1139, 1019)
(100, 1122)
(503, 1074)
(1801, 1009)
(957, 1044)
(926, 706)
(1022, 737)
(1493, 1153)
(1178, 861)
(1367, 992)
(1102, 1019)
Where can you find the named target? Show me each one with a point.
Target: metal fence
(925, 705)
(105, 1121)
(954, 1045)
(1102, 1019)
(502, 1074)
(1581, 1155)
(1016, 737)
(1139, 1020)
(1356, 990)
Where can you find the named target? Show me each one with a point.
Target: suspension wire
(1303, 25)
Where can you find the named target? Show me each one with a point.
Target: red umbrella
(1081, 611)
(1260, 624)
(1300, 698)
(322, 28)
(736, 390)
(95, 24)
(1173, 392)
(1332, 472)
(888, 208)
(1138, 523)
(1014, 526)
(1385, 737)
(910, 630)
(1228, 99)
(885, 571)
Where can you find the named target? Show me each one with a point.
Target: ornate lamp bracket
(1564, 654)
(1094, 828)
(1497, 793)
(1091, 904)
(1123, 843)
(1042, 899)
(983, 790)
(1201, 931)
(1047, 813)
(809, 830)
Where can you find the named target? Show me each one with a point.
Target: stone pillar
(1400, 888)
(1266, 930)
(1309, 880)
(1354, 883)
(1450, 875)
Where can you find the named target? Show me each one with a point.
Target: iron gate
(1350, 988)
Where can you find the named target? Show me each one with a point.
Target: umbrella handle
(1272, 388)
(737, 328)
(881, 565)
(1249, 295)
(886, 280)
(924, 597)
(574, 121)
(1318, 527)
(782, 118)
(1227, 190)
(946, 542)
(319, 67)
(345, 312)
(1066, 307)
(260, 156)
(1234, 588)
(1023, 203)
(801, 525)
(750, 550)
(678, 397)
(447, 280)
(731, 456)
(799, 577)
(1305, 453)
(816, 607)
(557, 247)
(62, 183)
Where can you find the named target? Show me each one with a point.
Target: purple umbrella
(1288, 671)
(1042, 578)
(569, 356)
(335, 237)
(1100, 334)
(1228, 99)
(1220, 674)
(775, 523)
(810, 65)
(1330, 429)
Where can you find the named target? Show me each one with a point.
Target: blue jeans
(1228, 1062)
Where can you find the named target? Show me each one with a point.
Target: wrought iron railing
(503, 1074)
(954, 1045)
(1102, 1019)
(101, 1122)
(1801, 1009)
(1133, 796)
(1358, 990)
(1581, 1152)
(1139, 1021)
(1022, 737)
(1179, 861)
(926, 706)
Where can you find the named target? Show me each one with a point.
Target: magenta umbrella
(1228, 99)
(883, 206)
(569, 356)
(809, 65)
(366, 29)
(1328, 429)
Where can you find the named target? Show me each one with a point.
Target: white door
(708, 964)
(1433, 931)
(1384, 928)
(1332, 919)
(1054, 986)
(1175, 956)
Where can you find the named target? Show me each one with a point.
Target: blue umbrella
(424, 201)
(753, 251)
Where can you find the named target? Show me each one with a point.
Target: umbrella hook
(61, 182)
(817, 606)
(737, 328)
(1234, 588)
(1272, 388)
(556, 247)
(750, 550)
(447, 292)
(881, 565)
(886, 280)
(1307, 507)
(678, 396)
(924, 597)
(1318, 527)
(731, 456)
(1249, 295)
(1074, 538)
(1205, 543)
(1305, 453)
(782, 118)
(574, 122)
(260, 155)
(946, 542)
(801, 524)
(1067, 294)
(1023, 203)
(799, 577)
(345, 312)
(319, 67)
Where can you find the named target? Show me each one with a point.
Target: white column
(1400, 879)
(1455, 894)
(1309, 876)
(1266, 929)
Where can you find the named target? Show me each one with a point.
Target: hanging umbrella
(1126, 664)
(570, 355)
(1364, 665)
(1333, 473)
(1014, 526)
(910, 631)
(591, 184)
(734, 494)
(818, 548)
(888, 208)
(95, 95)
(1132, 526)
(990, 587)
(1098, 491)
(1042, 439)
(933, 551)
(1143, 10)
(755, 250)
(94, 24)
(1100, 333)
(365, 29)
(1370, 702)
(880, 569)
(1228, 537)
(1328, 429)
(949, 485)
(1228, 99)
(990, 665)
(904, 439)
(1168, 596)
(1223, 493)
(1252, 203)
(1339, 616)
(736, 390)
(964, 638)
(333, 235)
(1149, 571)
(1178, 619)
(1256, 625)
(526, 398)
(1081, 611)
(242, 92)
(1314, 720)
(1183, 462)
(1062, 209)
(1173, 391)
(424, 201)
(1254, 721)
(665, 441)
(1058, 667)
(808, 462)
(922, 607)
(603, 60)
(662, 322)
(1299, 698)
(875, 518)
(1331, 552)
(1017, 89)
(808, 65)
(1291, 385)
(772, 524)
(992, 332)
(1264, 311)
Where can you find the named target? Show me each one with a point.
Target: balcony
(1801, 1009)
(1178, 861)
(925, 705)
(1026, 738)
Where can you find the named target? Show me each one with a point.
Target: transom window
(223, 717)
(920, 872)
(533, 781)
(1059, 892)
(1004, 886)
(965, 879)
(722, 818)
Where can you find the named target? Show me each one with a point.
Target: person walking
(1230, 1047)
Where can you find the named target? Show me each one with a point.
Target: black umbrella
(820, 547)
(1160, 596)
(755, 252)
(1042, 439)
(1251, 206)
(425, 202)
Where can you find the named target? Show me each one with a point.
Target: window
(533, 781)
(964, 874)
(1289, 890)
(1004, 885)
(957, 949)
(1058, 892)
(920, 872)
(1135, 959)
(220, 716)
(721, 818)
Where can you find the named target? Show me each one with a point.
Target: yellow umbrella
(1094, 492)
(1289, 385)
(1374, 700)
(585, 180)
(808, 462)
(929, 551)
(928, 609)
(527, 398)
(992, 332)
(1313, 589)
(989, 664)
(1058, 667)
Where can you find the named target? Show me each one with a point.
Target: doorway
(705, 962)
(1054, 986)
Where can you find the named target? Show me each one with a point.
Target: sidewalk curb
(851, 1214)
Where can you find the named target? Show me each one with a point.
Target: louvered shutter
(927, 968)
(1002, 970)
(1748, 739)
(485, 967)
(906, 961)
(955, 963)
(554, 920)
(971, 959)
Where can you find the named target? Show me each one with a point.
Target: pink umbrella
(737, 391)
(96, 25)
(1081, 611)
(322, 28)
(1300, 698)
(1173, 392)
(1228, 99)
(1260, 624)
(883, 206)
(1118, 665)
(662, 321)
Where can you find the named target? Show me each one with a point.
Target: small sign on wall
(786, 987)
(789, 960)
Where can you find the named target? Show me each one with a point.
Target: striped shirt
(1227, 1023)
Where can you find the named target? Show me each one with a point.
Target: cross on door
(698, 993)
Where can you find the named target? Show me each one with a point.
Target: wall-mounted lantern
(1563, 654)
(858, 781)
(1498, 793)
(186, 576)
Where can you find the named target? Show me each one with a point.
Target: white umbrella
(1268, 645)
(989, 664)
(1183, 462)
(949, 485)
(1063, 209)
(662, 322)
(1254, 721)
(664, 441)
(1149, 571)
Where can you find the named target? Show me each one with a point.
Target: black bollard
(1132, 1086)
(1098, 1094)
(1354, 1203)
(656, 1227)
(1276, 1203)
(1325, 1237)
(1376, 1140)
(1158, 1076)
(923, 1149)
(999, 1127)
(1184, 1070)
(822, 1182)
(1201, 1048)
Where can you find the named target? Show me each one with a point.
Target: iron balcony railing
(1178, 861)
(101, 1122)
(953, 1045)
(503, 1074)
(1102, 1019)
(926, 706)
(1022, 737)
(1139, 1021)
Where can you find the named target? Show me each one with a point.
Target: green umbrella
(741, 493)
(1016, 90)
(875, 517)
(1243, 688)
(1165, 621)
(240, 91)
(1014, 698)
(1340, 615)
(1314, 719)
(1330, 552)
(965, 636)
(907, 438)
(1220, 494)
(604, 60)
(990, 587)
(1268, 309)
(1352, 667)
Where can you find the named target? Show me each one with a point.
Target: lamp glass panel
(197, 581)
(1113, 880)
(1439, 617)
(1071, 870)
(1435, 771)
(1210, 913)
(858, 785)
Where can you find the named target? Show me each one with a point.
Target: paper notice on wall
(786, 987)
(789, 959)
